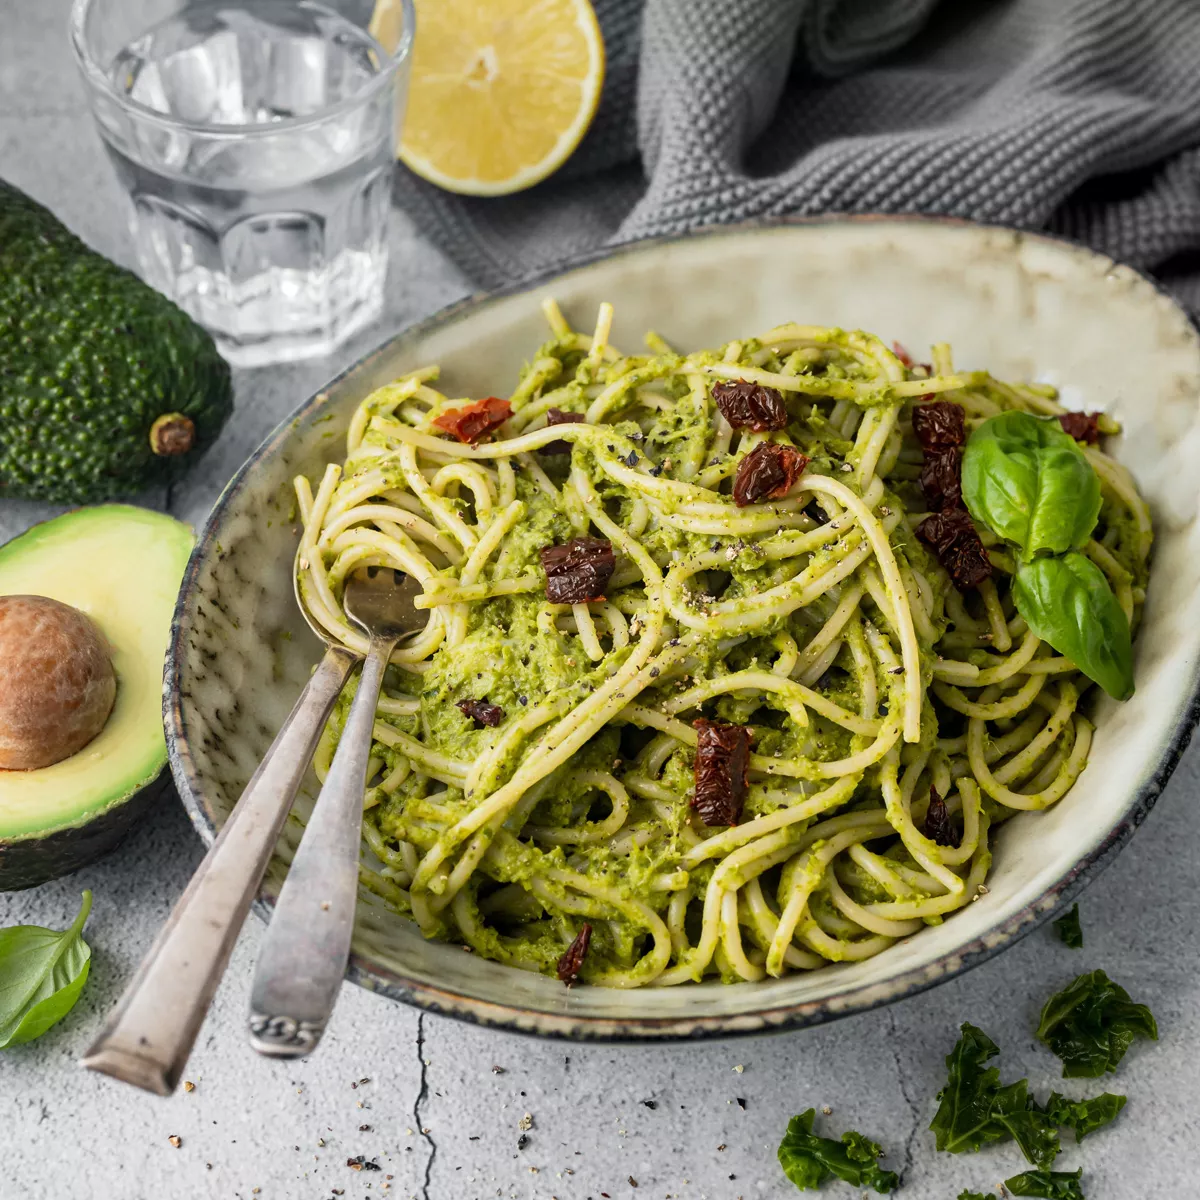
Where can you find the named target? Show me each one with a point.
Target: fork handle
(302, 960)
(149, 1034)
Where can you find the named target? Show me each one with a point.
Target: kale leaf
(1083, 1116)
(1051, 1185)
(809, 1161)
(1091, 1023)
(975, 1109)
(1069, 928)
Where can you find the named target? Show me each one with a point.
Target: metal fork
(304, 954)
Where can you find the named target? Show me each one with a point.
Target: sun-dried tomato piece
(572, 957)
(751, 406)
(941, 479)
(722, 760)
(954, 539)
(903, 355)
(578, 571)
(1083, 427)
(939, 425)
(938, 826)
(481, 712)
(473, 421)
(766, 473)
(556, 416)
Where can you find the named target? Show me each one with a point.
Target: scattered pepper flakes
(572, 958)
(523, 1141)
(741, 1102)
(188, 1086)
(650, 1103)
(497, 1070)
(721, 1146)
(632, 1182)
(364, 1129)
(175, 1140)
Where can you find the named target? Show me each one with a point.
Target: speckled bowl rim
(579, 1027)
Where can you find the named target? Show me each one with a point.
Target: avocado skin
(30, 861)
(90, 357)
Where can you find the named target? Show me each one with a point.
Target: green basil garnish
(808, 1160)
(1067, 602)
(42, 972)
(1091, 1023)
(1029, 482)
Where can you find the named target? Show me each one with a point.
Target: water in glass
(260, 205)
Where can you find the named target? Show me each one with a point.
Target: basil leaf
(1029, 482)
(1091, 1023)
(42, 972)
(1069, 928)
(1067, 602)
(1051, 1185)
(1084, 1116)
(809, 1161)
(976, 1196)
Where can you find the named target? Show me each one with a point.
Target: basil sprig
(42, 972)
(1030, 483)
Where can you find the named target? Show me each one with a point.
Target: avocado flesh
(90, 359)
(122, 567)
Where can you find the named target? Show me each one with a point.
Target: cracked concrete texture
(444, 1103)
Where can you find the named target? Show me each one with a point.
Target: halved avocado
(120, 566)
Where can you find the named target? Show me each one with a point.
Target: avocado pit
(57, 685)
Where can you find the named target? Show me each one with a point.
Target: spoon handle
(149, 1034)
(303, 956)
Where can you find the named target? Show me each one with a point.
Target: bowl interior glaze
(1022, 306)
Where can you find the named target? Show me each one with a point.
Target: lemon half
(501, 91)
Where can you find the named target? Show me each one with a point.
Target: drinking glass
(255, 141)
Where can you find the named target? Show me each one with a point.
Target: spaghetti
(873, 690)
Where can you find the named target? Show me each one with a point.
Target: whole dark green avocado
(106, 387)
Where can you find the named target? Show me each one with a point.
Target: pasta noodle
(817, 619)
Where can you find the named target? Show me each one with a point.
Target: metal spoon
(304, 954)
(152, 1028)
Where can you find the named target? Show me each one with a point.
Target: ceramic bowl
(1022, 306)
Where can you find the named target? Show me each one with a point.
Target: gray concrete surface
(438, 1104)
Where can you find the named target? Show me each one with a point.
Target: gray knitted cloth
(1078, 116)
